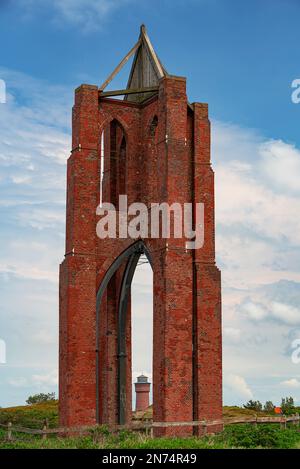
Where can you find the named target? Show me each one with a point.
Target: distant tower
(142, 390)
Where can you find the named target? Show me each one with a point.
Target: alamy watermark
(2, 352)
(296, 353)
(159, 220)
(2, 92)
(295, 96)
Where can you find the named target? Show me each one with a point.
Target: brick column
(77, 384)
(173, 269)
(207, 283)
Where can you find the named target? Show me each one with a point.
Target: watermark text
(159, 220)
(295, 96)
(2, 352)
(2, 92)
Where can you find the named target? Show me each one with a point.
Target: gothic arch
(131, 255)
(117, 117)
(114, 149)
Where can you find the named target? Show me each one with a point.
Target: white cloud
(285, 313)
(20, 382)
(282, 312)
(36, 143)
(30, 259)
(232, 334)
(44, 380)
(258, 251)
(252, 204)
(239, 386)
(90, 15)
(281, 165)
(255, 311)
(258, 223)
(49, 379)
(29, 272)
(291, 383)
(21, 179)
(44, 337)
(43, 218)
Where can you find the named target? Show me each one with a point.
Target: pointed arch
(114, 144)
(131, 255)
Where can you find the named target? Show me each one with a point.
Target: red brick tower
(155, 147)
(142, 391)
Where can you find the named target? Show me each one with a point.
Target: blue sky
(241, 58)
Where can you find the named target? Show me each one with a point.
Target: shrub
(253, 405)
(39, 398)
(269, 406)
(287, 405)
(262, 436)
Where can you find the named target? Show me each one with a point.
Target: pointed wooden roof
(146, 69)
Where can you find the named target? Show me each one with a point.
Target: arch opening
(131, 256)
(142, 336)
(113, 162)
(117, 163)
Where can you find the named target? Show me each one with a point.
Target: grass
(235, 412)
(31, 416)
(235, 436)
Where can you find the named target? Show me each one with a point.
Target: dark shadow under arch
(131, 255)
(153, 126)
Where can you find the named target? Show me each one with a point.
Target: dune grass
(235, 436)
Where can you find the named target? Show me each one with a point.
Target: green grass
(235, 436)
(31, 416)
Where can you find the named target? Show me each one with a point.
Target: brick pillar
(173, 270)
(207, 283)
(77, 383)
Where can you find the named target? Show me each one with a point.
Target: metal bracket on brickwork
(79, 148)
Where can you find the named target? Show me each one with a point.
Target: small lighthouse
(142, 390)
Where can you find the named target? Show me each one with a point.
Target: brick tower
(154, 146)
(142, 391)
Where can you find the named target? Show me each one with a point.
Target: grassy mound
(31, 416)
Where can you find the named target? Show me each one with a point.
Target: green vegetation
(236, 412)
(31, 416)
(287, 405)
(269, 407)
(39, 398)
(253, 405)
(235, 436)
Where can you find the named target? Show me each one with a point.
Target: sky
(241, 58)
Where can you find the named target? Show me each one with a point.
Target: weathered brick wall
(166, 158)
